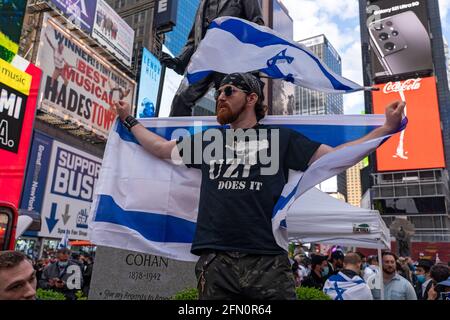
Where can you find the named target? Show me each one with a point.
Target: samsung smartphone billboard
(420, 145)
(399, 37)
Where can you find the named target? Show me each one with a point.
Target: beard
(389, 270)
(225, 115)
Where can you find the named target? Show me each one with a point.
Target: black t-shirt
(241, 186)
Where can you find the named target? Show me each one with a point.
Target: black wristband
(130, 122)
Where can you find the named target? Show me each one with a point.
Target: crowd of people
(353, 276)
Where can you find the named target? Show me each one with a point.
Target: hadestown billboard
(399, 37)
(77, 84)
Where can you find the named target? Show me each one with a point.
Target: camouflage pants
(233, 275)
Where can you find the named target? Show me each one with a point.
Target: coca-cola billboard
(398, 86)
(399, 37)
(420, 145)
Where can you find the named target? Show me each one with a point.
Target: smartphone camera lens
(394, 33)
(389, 46)
(384, 36)
(379, 26)
(389, 23)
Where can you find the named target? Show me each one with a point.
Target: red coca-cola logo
(408, 85)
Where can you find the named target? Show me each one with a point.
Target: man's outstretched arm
(152, 143)
(394, 116)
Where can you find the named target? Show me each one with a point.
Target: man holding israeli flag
(244, 193)
(348, 284)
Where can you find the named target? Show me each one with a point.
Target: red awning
(81, 243)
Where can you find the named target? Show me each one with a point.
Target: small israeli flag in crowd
(236, 45)
(64, 243)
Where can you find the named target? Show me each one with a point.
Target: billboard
(60, 185)
(113, 32)
(19, 83)
(80, 12)
(399, 37)
(165, 15)
(420, 145)
(77, 84)
(148, 85)
(11, 13)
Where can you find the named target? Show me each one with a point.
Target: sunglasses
(228, 91)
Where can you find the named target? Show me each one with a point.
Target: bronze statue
(403, 243)
(208, 10)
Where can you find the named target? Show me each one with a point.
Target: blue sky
(339, 21)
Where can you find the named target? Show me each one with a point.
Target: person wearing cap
(423, 277)
(240, 186)
(319, 271)
(63, 276)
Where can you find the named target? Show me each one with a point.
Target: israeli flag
(145, 204)
(236, 45)
(64, 243)
(342, 287)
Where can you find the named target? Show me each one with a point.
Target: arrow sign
(66, 216)
(52, 221)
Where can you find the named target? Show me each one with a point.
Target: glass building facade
(313, 102)
(176, 39)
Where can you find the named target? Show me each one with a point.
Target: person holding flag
(240, 256)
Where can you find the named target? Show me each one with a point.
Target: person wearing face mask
(59, 276)
(319, 272)
(423, 277)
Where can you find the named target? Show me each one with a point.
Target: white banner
(113, 32)
(78, 85)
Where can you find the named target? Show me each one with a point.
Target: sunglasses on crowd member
(228, 91)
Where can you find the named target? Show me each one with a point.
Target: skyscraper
(176, 39)
(354, 189)
(447, 60)
(313, 102)
(310, 102)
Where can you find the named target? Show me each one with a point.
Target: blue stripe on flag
(198, 76)
(250, 35)
(283, 201)
(332, 135)
(152, 226)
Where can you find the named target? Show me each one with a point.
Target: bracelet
(130, 122)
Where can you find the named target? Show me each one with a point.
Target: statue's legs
(187, 96)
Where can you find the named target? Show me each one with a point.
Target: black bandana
(245, 81)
